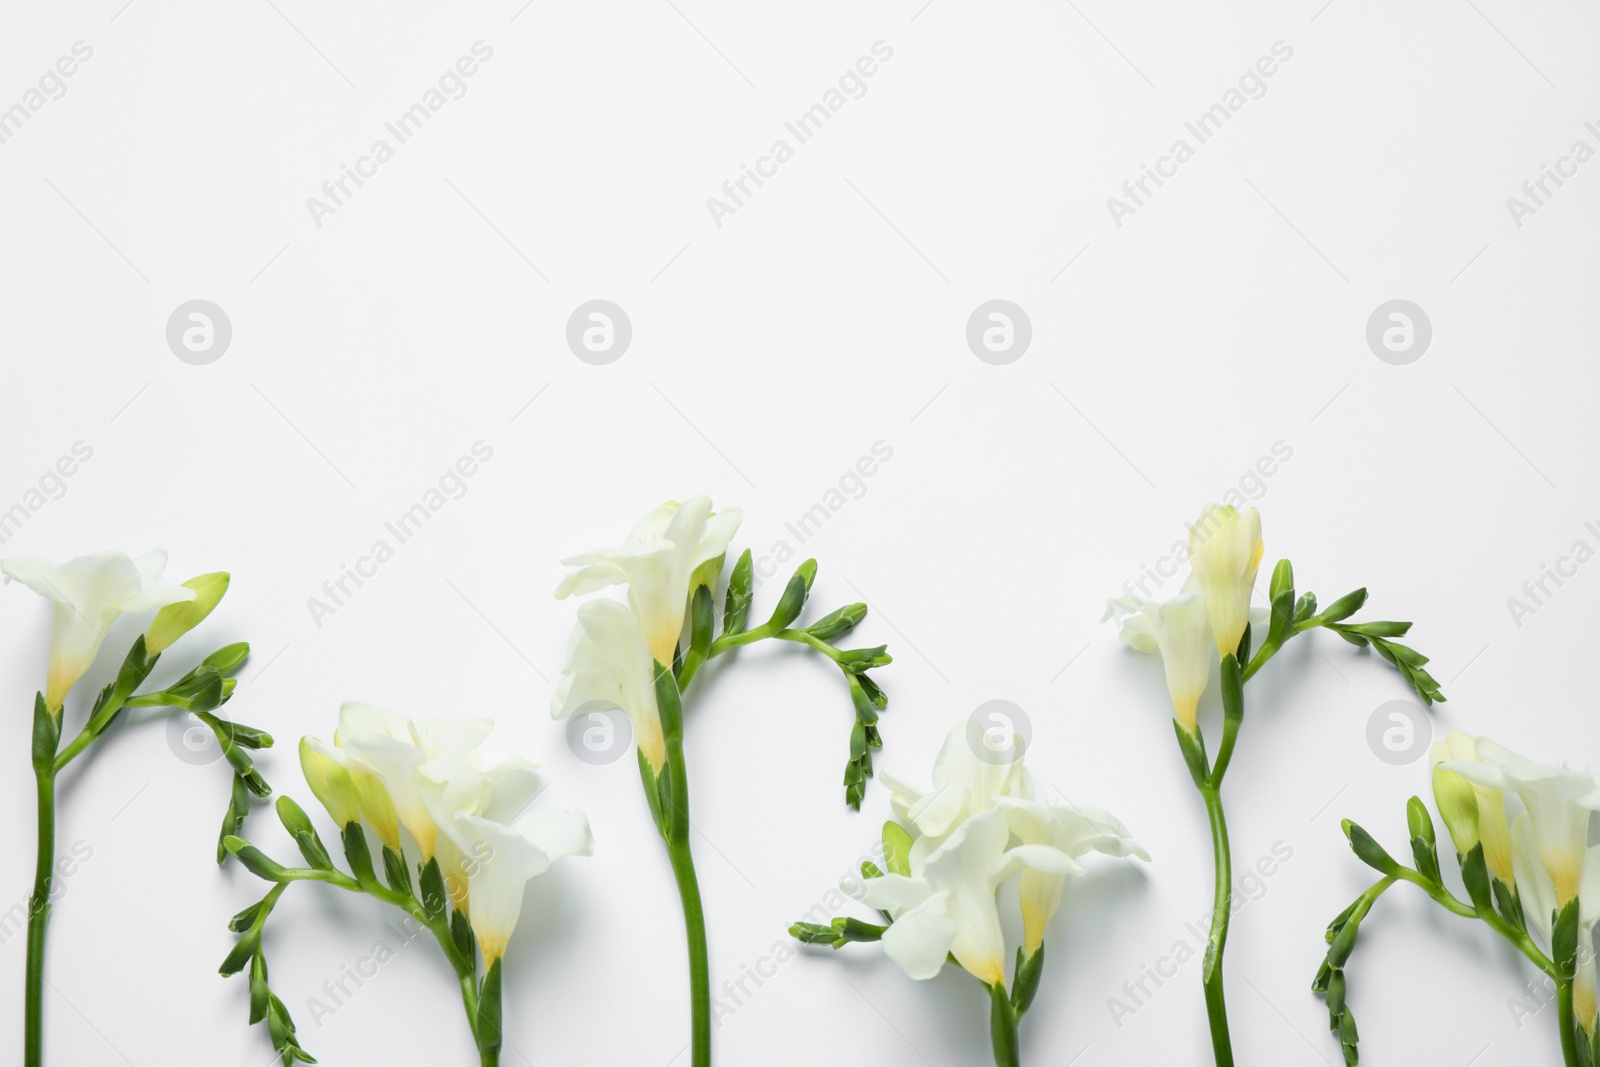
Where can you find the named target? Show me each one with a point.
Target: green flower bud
(175, 620)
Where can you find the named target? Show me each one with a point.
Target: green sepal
(433, 896)
(702, 624)
(1368, 850)
(741, 591)
(1509, 904)
(357, 853)
(1475, 875)
(653, 789)
(1232, 715)
(489, 1020)
(246, 918)
(396, 872)
(1193, 747)
(1025, 980)
(46, 736)
(1242, 653)
(461, 934)
(1564, 940)
(870, 870)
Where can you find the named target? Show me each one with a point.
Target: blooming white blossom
(1179, 629)
(963, 785)
(390, 750)
(609, 665)
(1068, 829)
(491, 842)
(1558, 802)
(657, 563)
(87, 594)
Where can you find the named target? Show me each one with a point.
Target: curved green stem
(1216, 1006)
(676, 831)
(38, 916)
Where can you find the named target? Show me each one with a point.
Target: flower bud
(330, 780)
(175, 620)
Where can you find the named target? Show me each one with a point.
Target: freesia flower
(1558, 802)
(1225, 550)
(656, 563)
(609, 665)
(946, 906)
(1068, 829)
(1539, 895)
(87, 594)
(1472, 813)
(497, 843)
(1178, 628)
(963, 785)
(390, 750)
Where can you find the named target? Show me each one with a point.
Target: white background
(828, 313)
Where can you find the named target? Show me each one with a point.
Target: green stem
(1216, 1007)
(669, 703)
(1003, 1027)
(1568, 1022)
(38, 915)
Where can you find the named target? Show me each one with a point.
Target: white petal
(920, 939)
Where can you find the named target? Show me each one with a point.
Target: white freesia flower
(1472, 813)
(496, 843)
(392, 749)
(1068, 829)
(1225, 550)
(1558, 802)
(86, 595)
(609, 665)
(1178, 628)
(656, 563)
(1539, 904)
(947, 906)
(963, 785)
